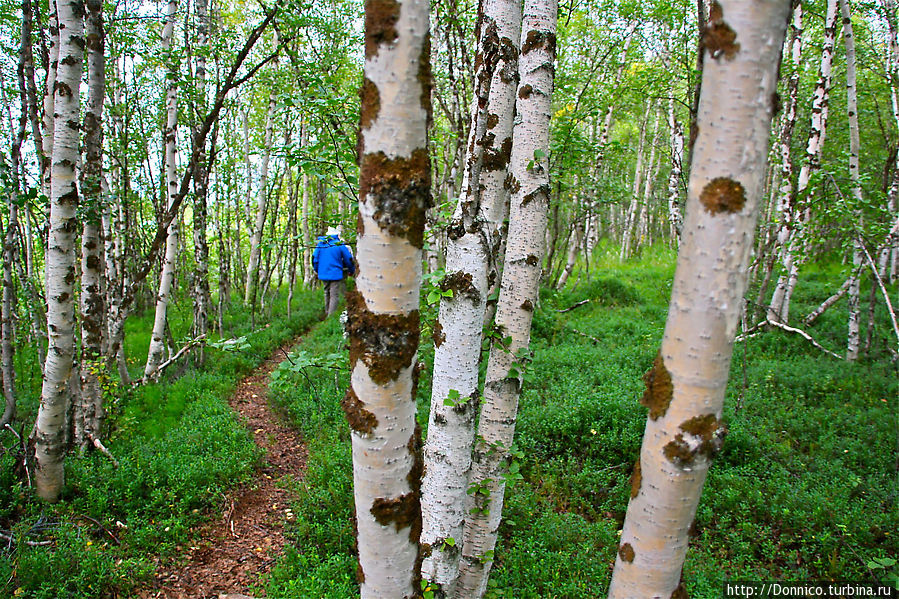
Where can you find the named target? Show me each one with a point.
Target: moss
(707, 436)
(381, 17)
(400, 511)
(626, 553)
(386, 343)
(400, 191)
(659, 389)
(370, 103)
(461, 285)
(437, 335)
(636, 479)
(718, 37)
(361, 420)
(722, 194)
(539, 39)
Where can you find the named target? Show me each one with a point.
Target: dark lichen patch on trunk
(360, 574)
(399, 188)
(539, 39)
(460, 283)
(626, 553)
(524, 92)
(497, 159)
(400, 511)
(386, 343)
(636, 479)
(718, 38)
(437, 335)
(361, 420)
(381, 17)
(722, 194)
(659, 389)
(511, 183)
(532, 260)
(492, 121)
(370, 103)
(542, 191)
(705, 437)
(527, 305)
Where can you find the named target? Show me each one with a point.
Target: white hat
(332, 231)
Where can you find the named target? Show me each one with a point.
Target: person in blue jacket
(332, 262)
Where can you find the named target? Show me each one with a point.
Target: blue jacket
(330, 258)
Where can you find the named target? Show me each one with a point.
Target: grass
(805, 488)
(180, 448)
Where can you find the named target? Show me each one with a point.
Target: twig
(24, 452)
(590, 337)
(11, 540)
(102, 449)
(103, 528)
(577, 305)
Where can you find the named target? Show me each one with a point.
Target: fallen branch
(101, 527)
(828, 303)
(102, 449)
(753, 332)
(590, 337)
(577, 305)
(156, 373)
(11, 540)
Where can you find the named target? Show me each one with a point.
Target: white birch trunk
(633, 206)
(261, 202)
(48, 116)
(383, 316)
(518, 295)
(853, 336)
(675, 220)
(49, 434)
(88, 410)
(685, 388)
(472, 238)
(167, 276)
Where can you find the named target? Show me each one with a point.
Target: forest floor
(229, 553)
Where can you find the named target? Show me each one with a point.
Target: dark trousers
(333, 293)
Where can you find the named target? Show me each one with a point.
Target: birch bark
(518, 295)
(685, 388)
(167, 276)
(853, 336)
(49, 434)
(261, 202)
(201, 186)
(471, 238)
(89, 409)
(383, 316)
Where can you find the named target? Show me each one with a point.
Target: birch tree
(471, 242)
(685, 388)
(89, 406)
(529, 183)
(167, 276)
(383, 316)
(261, 203)
(49, 434)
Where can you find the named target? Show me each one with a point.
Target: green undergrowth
(179, 448)
(804, 489)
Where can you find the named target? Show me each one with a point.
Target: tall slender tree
(49, 434)
(383, 310)
(529, 183)
(685, 388)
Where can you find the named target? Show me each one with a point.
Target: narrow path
(231, 552)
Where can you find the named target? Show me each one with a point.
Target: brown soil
(231, 551)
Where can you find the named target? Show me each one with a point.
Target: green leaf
(450, 541)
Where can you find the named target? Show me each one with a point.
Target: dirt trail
(231, 552)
